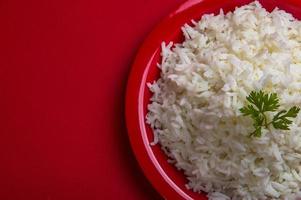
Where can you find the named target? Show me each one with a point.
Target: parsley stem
(269, 123)
(265, 120)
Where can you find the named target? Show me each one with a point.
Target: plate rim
(134, 97)
(135, 87)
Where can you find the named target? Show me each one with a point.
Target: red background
(63, 72)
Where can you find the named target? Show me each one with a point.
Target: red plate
(168, 181)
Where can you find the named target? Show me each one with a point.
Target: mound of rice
(194, 110)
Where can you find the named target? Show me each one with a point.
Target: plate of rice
(213, 101)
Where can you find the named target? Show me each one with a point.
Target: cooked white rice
(194, 110)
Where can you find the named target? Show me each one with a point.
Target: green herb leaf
(264, 102)
(280, 120)
(249, 110)
(260, 103)
(256, 133)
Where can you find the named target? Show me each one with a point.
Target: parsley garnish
(260, 103)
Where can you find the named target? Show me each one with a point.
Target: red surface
(164, 177)
(63, 71)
